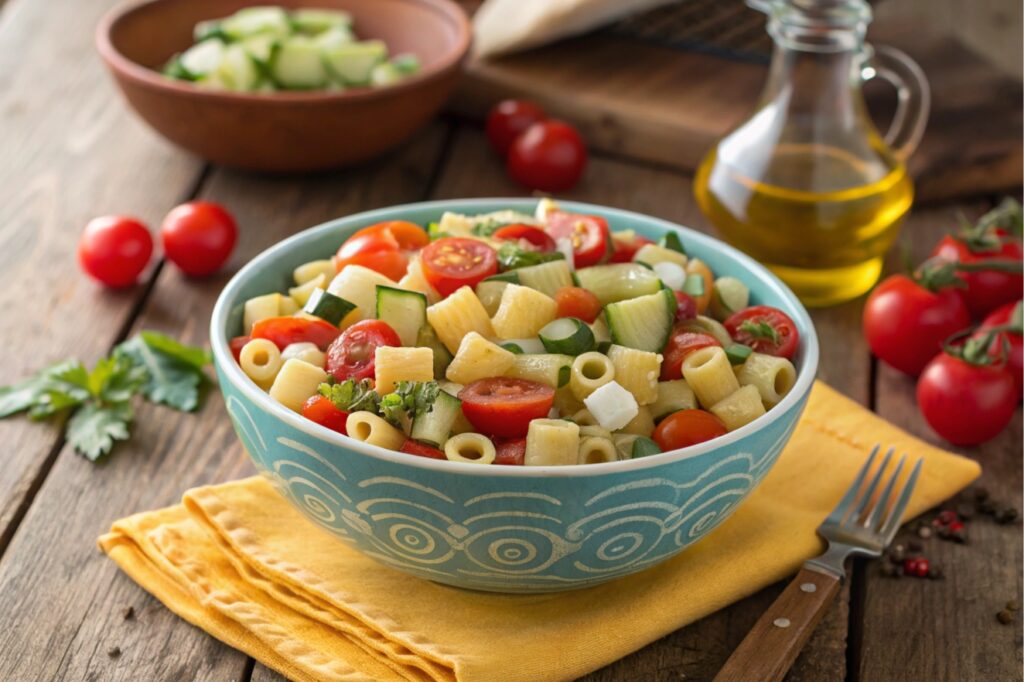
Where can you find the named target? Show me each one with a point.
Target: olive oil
(827, 239)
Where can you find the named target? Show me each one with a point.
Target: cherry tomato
(680, 344)
(321, 410)
(412, 447)
(284, 331)
(198, 237)
(453, 262)
(686, 306)
(986, 290)
(965, 403)
(623, 250)
(237, 344)
(351, 356)
(579, 303)
(766, 329)
(504, 407)
(535, 236)
(905, 323)
(1014, 343)
(115, 250)
(511, 452)
(549, 156)
(687, 427)
(381, 247)
(588, 234)
(508, 119)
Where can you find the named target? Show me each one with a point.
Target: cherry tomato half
(687, 427)
(321, 410)
(1014, 343)
(198, 237)
(681, 343)
(623, 250)
(508, 119)
(534, 236)
(413, 447)
(114, 250)
(964, 403)
(588, 234)
(579, 303)
(549, 156)
(986, 290)
(284, 331)
(351, 355)
(504, 407)
(686, 306)
(511, 452)
(381, 247)
(766, 329)
(906, 323)
(454, 262)
(237, 344)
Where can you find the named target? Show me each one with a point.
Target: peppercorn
(1006, 515)
(924, 532)
(1005, 617)
(128, 612)
(980, 494)
(114, 651)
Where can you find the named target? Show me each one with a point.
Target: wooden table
(71, 150)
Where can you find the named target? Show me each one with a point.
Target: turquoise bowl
(494, 528)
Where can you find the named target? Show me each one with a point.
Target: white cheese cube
(612, 406)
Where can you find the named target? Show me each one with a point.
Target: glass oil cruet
(806, 184)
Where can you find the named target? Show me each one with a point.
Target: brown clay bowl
(286, 131)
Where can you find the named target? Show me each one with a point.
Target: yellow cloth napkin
(237, 561)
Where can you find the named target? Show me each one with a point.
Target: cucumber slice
(512, 277)
(670, 240)
(427, 338)
(546, 278)
(205, 30)
(728, 295)
(252, 20)
(334, 38)
(644, 447)
(261, 49)
(523, 346)
(404, 311)
(694, 285)
(434, 427)
(315, 21)
(568, 336)
(238, 69)
(643, 322)
(618, 281)
(203, 58)
(297, 65)
(407, 63)
(354, 63)
(174, 69)
(489, 292)
(327, 306)
(385, 74)
(738, 353)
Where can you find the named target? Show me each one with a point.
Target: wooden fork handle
(769, 649)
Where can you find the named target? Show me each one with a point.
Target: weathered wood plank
(60, 598)
(947, 629)
(71, 150)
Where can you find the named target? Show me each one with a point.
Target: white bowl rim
(230, 369)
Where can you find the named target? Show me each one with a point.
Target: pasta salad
(516, 339)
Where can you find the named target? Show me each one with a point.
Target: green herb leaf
(351, 396)
(511, 256)
(760, 329)
(487, 228)
(191, 355)
(22, 395)
(93, 429)
(47, 392)
(165, 378)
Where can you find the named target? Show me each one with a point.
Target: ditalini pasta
(508, 339)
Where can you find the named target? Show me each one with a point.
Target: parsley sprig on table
(99, 401)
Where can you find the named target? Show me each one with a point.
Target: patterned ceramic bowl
(505, 529)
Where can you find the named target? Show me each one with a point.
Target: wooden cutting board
(669, 106)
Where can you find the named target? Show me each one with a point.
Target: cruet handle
(913, 97)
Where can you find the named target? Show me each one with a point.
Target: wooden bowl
(286, 131)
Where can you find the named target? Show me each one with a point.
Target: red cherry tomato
(198, 237)
(504, 407)
(765, 329)
(237, 344)
(682, 342)
(284, 331)
(623, 250)
(454, 262)
(510, 452)
(535, 236)
(115, 250)
(588, 234)
(351, 356)
(412, 447)
(549, 156)
(686, 306)
(687, 427)
(321, 410)
(508, 119)
(966, 404)
(1007, 342)
(905, 323)
(578, 303)
(986, 290)
(381, 247)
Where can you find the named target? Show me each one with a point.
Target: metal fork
(862, 523)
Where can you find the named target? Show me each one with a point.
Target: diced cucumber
(644, 447)
(327, 306)
(427, 338)
(314, 21)
(671, 240)
(568, 336)
(546, 278)
(523, 346)
(238, 69)
(512, 277)
(353, 63)
(203, 58)
(694, 284)
(174, 69)
(336, 37)
(252, 20)
(261, 49)
(406, 63)
(297, 65)
(435, 426)
(643, 322)
(618, 281)
(205, 30)
(404, 311)
(728, 295)
(489, 292)
(738, 353)
(385, 74)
